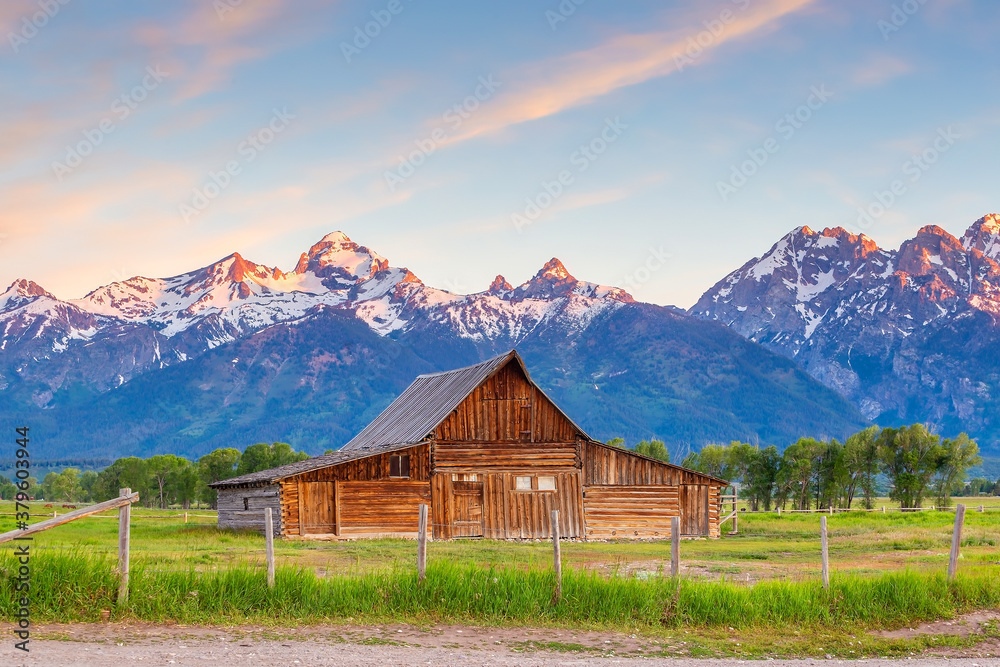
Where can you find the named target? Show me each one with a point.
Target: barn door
(467, 505)
(316, 500)
(694, 509)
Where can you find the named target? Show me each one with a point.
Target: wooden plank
(824, 548)
(114, 503)
(124, 537)
(422, 544)
(956, 541)
(269, 546)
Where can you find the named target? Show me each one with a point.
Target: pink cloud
(581, 77)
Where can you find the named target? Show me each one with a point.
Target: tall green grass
(76, 586)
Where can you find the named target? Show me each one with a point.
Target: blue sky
(668, 96)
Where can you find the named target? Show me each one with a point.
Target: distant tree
(654, 449)
(739, 456)
(831, 474)
(129, 472)
(862, 463)
(88, 478)
(616, 442)
(762, 478)
(7, 488)
(263, 456)
(798, 466)
(216, 466)
(283, 454)
(62, 486)
(955, 457)
(711, 460)
(910, 456)
(164, 472)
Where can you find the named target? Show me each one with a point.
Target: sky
(651, 145)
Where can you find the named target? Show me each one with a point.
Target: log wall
(616, 512)
(351, 486)
(382, 508)
(506, 408)
(605, 465)
(488, 456)
(232, 514)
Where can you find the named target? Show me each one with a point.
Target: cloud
(879, 69)
(578, 78)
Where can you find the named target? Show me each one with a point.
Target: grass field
(767, 546)
(760, 586)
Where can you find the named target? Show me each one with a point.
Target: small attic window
(399, 465)
(246, 503)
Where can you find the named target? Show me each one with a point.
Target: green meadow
(761, 587)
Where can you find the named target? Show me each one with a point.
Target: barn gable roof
(409, 420)
(414, 415)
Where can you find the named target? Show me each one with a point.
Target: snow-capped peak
(20, 292)
(340, 262)
(984, 236)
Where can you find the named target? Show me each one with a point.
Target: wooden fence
(123, 503)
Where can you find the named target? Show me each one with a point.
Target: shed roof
(410, 419)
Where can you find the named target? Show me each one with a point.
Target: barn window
(399, 465)
(522, 483)
(246, 503)
(546, 483)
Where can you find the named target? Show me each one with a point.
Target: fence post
(883, 509)
(269, 540)
(675, 546)
(556, 555)
(736, 515)
(956, 541)
(185, 517)
(779, 511)
(124, 530)
(422, 544)
(981, 509)
(826, 552)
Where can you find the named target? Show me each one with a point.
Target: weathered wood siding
(349, 498)
(507, 513)
(506, 408)
(628, 496)
(618, 512)
(487, 456)
(606, 465)
(233, 515)
(382, 508)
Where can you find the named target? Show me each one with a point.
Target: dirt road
(116, 644)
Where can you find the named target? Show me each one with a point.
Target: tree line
(162, 480)
(914, 463)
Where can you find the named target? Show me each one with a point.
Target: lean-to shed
(491, 455)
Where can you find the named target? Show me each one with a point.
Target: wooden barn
(491, 455)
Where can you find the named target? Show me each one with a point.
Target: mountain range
(237, 352)
(907, 335)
